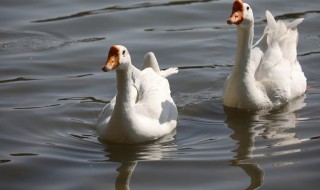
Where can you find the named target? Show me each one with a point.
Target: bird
(265, 75)
(142, 109)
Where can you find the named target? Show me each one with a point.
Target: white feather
(273, 75)
(142, 110)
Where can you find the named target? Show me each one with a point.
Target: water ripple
(189, 29)
(203, 66)
(24, 154)
(296, 15)
(84, 99)
(18, 79)
(17, 41)
(309, 53)
(121, 8)
(4, 161)
(37, 107)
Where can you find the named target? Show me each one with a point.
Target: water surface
(52, 90)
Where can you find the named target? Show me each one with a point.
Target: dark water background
(52, 89)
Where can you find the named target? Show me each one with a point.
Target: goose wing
(278, 65)
(150, 61)
(154, 97)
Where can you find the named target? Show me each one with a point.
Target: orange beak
(113, 59)
(236, 16)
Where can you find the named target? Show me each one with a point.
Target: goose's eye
(248, 8)
(123, 52)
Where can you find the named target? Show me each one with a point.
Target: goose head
(241, 14)
(118, 58)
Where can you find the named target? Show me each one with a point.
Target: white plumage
(142, 109)
(268, 74)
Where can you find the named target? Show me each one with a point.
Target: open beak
(236, 16)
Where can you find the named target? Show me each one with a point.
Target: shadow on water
(130, 155)
(272, 126)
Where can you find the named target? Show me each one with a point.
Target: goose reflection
(125, 172)
(271, 126)
(129, 156)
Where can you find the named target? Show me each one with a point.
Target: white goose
(268, 74)
(142, 109)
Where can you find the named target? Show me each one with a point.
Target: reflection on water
(125, 172)
(243, 125)
(272, 126)
(130, 155)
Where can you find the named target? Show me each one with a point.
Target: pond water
(52, 90)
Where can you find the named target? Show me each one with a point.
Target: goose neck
(245, 38)
(125, 83)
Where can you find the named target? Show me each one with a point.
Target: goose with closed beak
(143, 109)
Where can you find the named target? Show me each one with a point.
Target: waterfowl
(143, 109)
(265, 75)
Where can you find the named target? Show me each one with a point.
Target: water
(52, 89)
